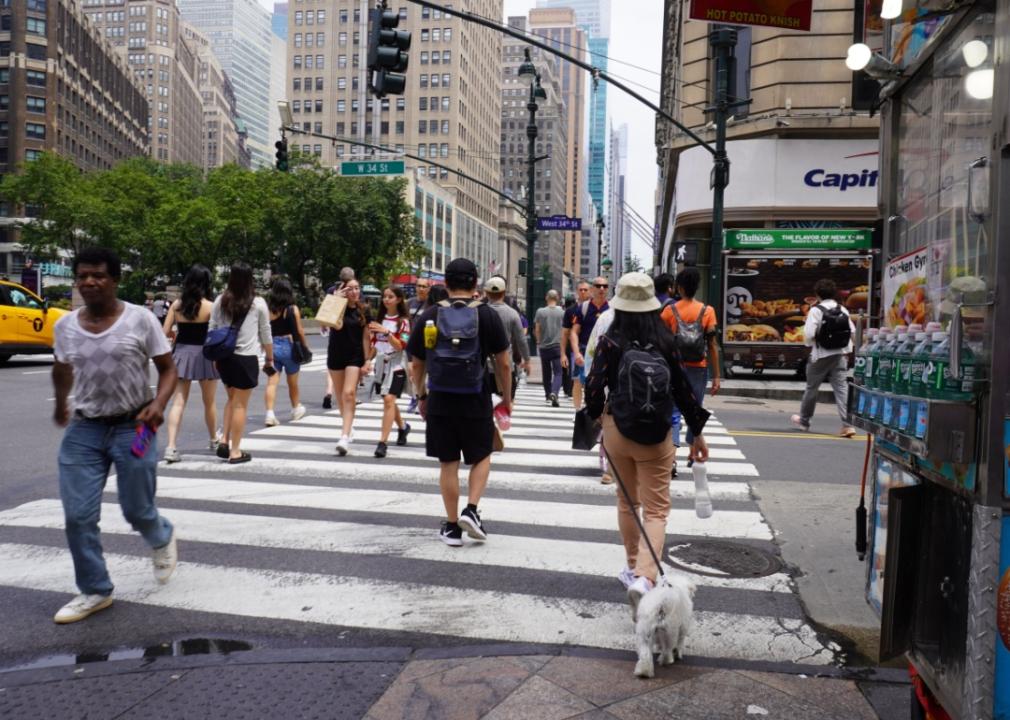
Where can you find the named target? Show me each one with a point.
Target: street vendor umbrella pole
(861, 510)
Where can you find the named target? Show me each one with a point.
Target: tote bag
(331, 312)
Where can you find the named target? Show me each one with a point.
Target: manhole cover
(720, 558)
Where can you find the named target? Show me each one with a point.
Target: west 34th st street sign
(390, 167)
(559, 222)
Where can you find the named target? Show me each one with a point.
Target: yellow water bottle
(430, 334)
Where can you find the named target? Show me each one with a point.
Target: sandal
(673, 470)
(243, 458)
(222, 451)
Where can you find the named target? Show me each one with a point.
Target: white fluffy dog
(664, 620)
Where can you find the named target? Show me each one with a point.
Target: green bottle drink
(903, 360)
(911, 384)
(885, 375)
(873, 356)
(859, 371)
(937, 365)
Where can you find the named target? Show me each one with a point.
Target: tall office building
(550, 181)
(149, 36)
(279, 20)
(618, 230)
(278, 87)
(449, 113)
(559, 26)
(593, 16)
(224, 141)
(240, 33)
(63, 89)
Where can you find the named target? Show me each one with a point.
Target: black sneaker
(327, 402)
(554, 401)
(380, 450)
(451, 534)
(470, 519)
(402, 433)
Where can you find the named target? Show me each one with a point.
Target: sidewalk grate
(723, 558)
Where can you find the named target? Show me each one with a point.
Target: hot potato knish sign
(790, 14)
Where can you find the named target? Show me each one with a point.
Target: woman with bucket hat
(635, 379)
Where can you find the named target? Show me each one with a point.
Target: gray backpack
(690, 336)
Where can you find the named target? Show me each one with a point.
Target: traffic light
(282, 154)
(387, 56)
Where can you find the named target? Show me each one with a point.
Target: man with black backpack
(456, 403)
(828, 333)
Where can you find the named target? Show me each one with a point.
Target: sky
(636, 38)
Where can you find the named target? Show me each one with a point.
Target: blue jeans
(550, 368)
(88, 450)
(282, 356)
(697, 378)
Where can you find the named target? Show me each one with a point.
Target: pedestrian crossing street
(546, 575)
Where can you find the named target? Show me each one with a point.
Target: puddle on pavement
(177, 648)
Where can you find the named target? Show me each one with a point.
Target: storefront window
(941, 197)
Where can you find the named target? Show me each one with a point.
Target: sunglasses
(601, 286)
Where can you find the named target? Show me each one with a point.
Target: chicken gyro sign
(790, 14)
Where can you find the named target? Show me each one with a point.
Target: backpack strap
(676, 315)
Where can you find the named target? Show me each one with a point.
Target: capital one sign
(789, 14)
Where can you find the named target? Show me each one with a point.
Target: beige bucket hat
(635, 293)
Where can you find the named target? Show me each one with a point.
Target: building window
(445, 104)
(436, 35)
(308, 62)
(447, 34)
(36, 52)
(298, 62)
(319, 62)
(354, 106)
(343, 16)
(319, 83)
(435, 80)
(5, 76)
(32, 155)
(422, 103)
(435, 57)
(320, 39)
(422, 126)
(424, 58)
(298, 17)
(36, 26)
(446, 57)
(319, 106)
(424, 36)
(341, 61)
(401, 104)
(446, 77)
(320, 17)
(35, 130)
(341, 83)
(34, 104)
(296, 106)
(317, 150)
(39, 5)
(341, 105)
(298, 40)
(342, 39)
(399, 127)
(433, 127)
(340, 151)
(340, 128)
(296, 84)
(424, 81)
(445, 127)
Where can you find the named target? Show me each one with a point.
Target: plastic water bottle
(430, 334)
(899, 379)
(911, 383)
(702, 500)
(873, 357)
(885, 365)
(859, 369)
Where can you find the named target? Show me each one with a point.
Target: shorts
(339, 357)
(283, 362)
(239, 371)
(393, 384)
(447, 436)
(579, 373)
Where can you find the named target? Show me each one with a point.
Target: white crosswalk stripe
(547, 514)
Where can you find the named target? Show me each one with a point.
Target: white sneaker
(80, 607)
(165, 559)
(271, 420)
(172, 455)
(636, 591)
(297, 413)
(627, 577)
(342, 445)
(216, 440)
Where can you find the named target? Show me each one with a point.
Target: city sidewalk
(495, 682)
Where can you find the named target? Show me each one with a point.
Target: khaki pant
(645, 472)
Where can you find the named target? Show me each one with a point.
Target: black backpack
(455, 364)
(690, 336)
(834, 332)
(642, 403)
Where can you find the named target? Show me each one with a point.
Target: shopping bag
(585, 431)
(331, 311)
(498, 444)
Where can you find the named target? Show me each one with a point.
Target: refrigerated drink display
(885, 373)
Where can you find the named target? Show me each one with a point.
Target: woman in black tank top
(186, 323)
(285, 326)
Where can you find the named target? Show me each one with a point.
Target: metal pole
(723, 42)
(531, 209)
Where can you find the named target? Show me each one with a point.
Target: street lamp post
(536, 92)
(599, 243)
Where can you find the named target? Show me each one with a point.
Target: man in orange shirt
(694, 324)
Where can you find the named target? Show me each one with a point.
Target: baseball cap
(495, 284)
(461, 266)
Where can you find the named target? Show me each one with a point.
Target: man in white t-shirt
(824, 363)
(103, 352)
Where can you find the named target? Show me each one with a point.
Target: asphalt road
(760, 430)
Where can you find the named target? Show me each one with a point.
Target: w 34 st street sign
(389, 167)
(559, 222)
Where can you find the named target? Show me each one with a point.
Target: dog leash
(638, 520)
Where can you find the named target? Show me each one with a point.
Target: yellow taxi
(26, 322)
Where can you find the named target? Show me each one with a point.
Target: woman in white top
(238, 305)
(389, 341)
(186, 325)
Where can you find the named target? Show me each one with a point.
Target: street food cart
(938, 568)
(769, 276)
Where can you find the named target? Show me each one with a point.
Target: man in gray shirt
(103, 351)
(495, 290)
(547, 331)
